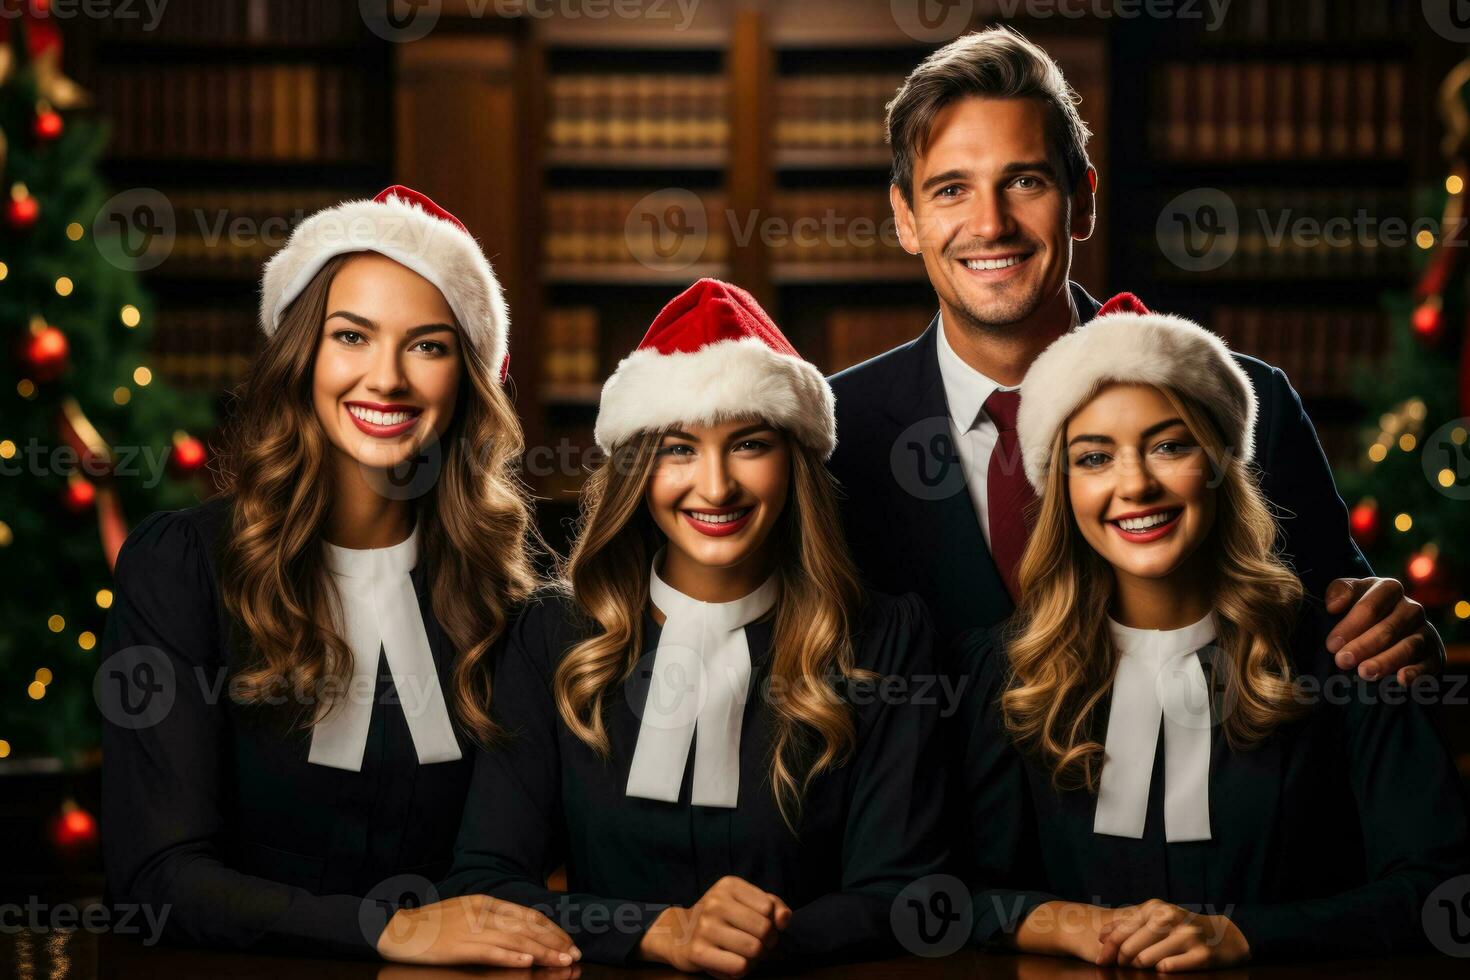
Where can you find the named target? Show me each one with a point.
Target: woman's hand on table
(476, 929)
(1167, 938)
(725, 934)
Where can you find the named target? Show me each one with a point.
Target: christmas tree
(1409, 491)
(89, 438)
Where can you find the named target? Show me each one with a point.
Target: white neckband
(378, 614)
(1159, 679)
(700, 678)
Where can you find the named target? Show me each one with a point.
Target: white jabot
(380, 616)
(700, 677)
(1159, 679)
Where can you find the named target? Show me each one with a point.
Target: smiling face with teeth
(716, 492)
(1139, 482)
(388, 365)
(991, 214)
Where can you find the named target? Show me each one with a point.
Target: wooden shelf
(629, 273)
(817, 273)
(1458, 654)
(571, 393)
(637, 158)
(833, 158)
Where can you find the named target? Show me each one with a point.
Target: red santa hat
(1127, 344)
(412, 230)
(713, 355)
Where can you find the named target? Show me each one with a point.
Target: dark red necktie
(1008, 493)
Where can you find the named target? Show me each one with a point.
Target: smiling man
(991, 184)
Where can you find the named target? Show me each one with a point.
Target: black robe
(1326, 839)
(543, 798)
(213, 812)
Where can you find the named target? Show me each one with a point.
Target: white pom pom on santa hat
(1127, 344)
(409, 228)
(713, 355)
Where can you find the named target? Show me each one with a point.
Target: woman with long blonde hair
(1164, 768)
(712, 724)
(302, 663)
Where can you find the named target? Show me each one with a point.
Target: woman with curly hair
(315, 643)
(1163, 768)
(713, 726)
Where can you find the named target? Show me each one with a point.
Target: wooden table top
(82, 955)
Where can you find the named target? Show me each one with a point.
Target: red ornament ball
(48, 125)
(73, 828)
(22, 212)
(80, 495)
(1364, 521)
(1428, 321)
(188, 455)
(46, 354)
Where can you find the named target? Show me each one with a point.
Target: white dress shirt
(973, 432)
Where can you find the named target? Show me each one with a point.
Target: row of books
(287, 22)
(832, 226)
(623, 111)
(856, 334)
(240, 112)
(836, 111)
(1314, 20)
(229, 234)
(654, 230)
(1266, 110)
(1289, 234)
(204, 349)
(569, 354)
(1319, 349)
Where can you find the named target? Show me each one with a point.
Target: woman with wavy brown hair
(1164, 768)
(311, 649)
(713, 725)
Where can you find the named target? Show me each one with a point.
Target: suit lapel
(933, 491)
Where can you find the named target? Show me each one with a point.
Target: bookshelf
(245, 115)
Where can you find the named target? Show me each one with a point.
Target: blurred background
(1289, 172)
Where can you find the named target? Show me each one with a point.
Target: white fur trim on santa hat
(1131, 348)
(434, 248)
(721, 381)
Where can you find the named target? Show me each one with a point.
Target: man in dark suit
(992, 184)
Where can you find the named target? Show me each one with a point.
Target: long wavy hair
(1062, 658)
(607, 574)
(474, 526)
